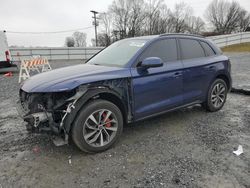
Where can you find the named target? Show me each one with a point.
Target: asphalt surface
(185, 148)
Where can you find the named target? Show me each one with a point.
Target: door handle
(211, 67)
(177, 74)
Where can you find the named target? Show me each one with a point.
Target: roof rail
(181, 34)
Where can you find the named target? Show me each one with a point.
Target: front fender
(90, 94)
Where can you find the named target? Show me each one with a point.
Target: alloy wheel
(218, 95)
(100, 128)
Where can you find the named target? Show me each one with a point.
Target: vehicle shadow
(137, 130)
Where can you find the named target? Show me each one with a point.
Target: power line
(48, 32)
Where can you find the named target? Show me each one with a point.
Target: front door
(158, 89)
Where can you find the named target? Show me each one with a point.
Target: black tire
(209, 105)
(80, 128)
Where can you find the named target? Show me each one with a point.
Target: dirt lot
(186, 148)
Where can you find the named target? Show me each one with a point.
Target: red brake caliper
(108, 124)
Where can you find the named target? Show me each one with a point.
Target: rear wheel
(217, 95)
(97, 126)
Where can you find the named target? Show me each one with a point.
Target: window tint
(165, 49)
(191, 49)
(209, 51)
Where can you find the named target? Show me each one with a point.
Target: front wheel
(97, 126)
(217, 95)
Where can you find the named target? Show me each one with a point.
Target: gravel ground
(186, 148)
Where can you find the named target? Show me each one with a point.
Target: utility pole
(95, 23)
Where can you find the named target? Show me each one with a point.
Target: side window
(209, 51)
(165, 49)
(191, 49)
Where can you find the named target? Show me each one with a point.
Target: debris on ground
(8, 74)
(36, 149)
(239, 150)
(70, 162)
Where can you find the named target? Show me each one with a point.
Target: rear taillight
(7, 55)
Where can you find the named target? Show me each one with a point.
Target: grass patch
(243, 47)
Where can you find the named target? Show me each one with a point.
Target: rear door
(198, 69)
(158, 89)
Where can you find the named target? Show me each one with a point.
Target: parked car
(5, 56)
(131, 80)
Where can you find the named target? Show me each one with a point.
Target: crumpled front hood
(68, 78)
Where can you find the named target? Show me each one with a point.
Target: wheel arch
(226, 79)
(113, 98)
(104, 93)
(207, 103)
(220, 75)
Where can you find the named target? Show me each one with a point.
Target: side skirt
(169, 110)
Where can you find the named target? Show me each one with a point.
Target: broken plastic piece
(70, 160)
(59, 141)
(239, 150)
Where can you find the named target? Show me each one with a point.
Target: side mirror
(151, 62)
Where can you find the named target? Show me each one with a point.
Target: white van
(5, 57)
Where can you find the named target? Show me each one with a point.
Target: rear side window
(165, 49)
(209, 51)
(191, 49)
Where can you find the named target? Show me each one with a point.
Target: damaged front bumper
(42, 122)
(35, 122)
(47, 112)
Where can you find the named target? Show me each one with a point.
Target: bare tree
(152, 16)
(130, 18)
(195, 25)
(80, 39)
(180, 15)
(165, 24)
(93, 44)
(244, 22)
(106, 26)
(225, 16)
(69, 42)
(136, 18)
(147, 17)
(120, 13)
(103, 39)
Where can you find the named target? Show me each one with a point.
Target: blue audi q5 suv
(128, 81)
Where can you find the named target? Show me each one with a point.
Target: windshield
(119, 53)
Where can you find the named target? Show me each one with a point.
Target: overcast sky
(57, 15)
